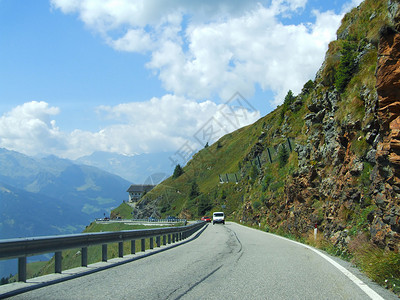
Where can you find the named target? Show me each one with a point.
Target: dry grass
(380, 265)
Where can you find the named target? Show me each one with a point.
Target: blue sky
(78, 76)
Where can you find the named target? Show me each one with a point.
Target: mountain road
(228, 261)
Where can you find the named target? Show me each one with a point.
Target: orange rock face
(388, 88)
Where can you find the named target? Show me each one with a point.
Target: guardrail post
(151, 243)
(143, 242)
(84, 257)
(164, 239)
(173, 238)
(158, 241)
(57, 264)
(22, 269)
(104, 252)
(169, 238)
(133, 246)
(120, 249)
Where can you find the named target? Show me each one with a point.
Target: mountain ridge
(136, 169)
(57, 190)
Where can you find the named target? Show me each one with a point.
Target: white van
(218, 217)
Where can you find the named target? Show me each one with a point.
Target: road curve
(225, 262)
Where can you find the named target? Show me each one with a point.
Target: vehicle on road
(218, 217)
(171, 219)
(205, 218)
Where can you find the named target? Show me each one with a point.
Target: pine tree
(283, 156)
(178, 171)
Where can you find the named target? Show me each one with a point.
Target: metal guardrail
(148, 220)
(160, 220)
(21, 248)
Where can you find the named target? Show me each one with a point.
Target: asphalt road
(225, 262)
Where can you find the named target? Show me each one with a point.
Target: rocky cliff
(385, 227)
(348, 175)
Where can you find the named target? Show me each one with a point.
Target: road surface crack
(197, 283)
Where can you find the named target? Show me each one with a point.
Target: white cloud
(349, 5)
(135, 40)
(29, 127)
(160, 124)
(201, 49)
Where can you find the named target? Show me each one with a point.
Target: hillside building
(136, 191)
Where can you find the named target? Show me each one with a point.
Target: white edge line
(363, 286)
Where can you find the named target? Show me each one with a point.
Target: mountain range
(137, 169)
(53, 196)
(43, 196)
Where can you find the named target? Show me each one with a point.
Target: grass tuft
(380, 265)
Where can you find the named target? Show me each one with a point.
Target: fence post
(84, 257)
(104, 252)
(269, 155)
(57, 264)
(290, 145)
(120, 249)
(22, 269)
(315, 231)
(143, 242)
(133, 246)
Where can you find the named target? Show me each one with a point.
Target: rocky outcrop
(388, 88)
(386, 224)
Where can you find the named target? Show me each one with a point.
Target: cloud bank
(200, 49)
(160, 124)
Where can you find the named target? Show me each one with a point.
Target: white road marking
(370, 292)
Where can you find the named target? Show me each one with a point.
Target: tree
(178, 171)
(204, 205)
(347, 65)
(283, 156)
(256, 205)
(308, 86)
(194, 191)
(289, 99)
(253, 172)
